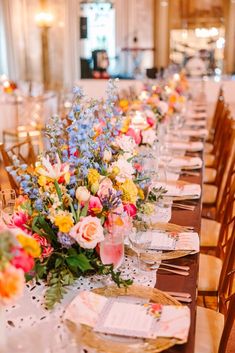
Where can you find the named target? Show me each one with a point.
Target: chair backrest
(24, 152)
(226, 183)
(223, 158)
(228, 336)
(218, 109)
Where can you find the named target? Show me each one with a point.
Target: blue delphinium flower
(65, 240)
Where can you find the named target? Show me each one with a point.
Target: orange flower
(11, 284)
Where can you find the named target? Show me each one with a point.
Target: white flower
(107, 156)
(126, 144)
(163, 107)
(53, 171)
(82, 194)
(88, 232)
(125, 168)
(148, 136)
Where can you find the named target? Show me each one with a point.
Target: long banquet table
(178, 283)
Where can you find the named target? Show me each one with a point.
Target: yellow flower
(67, 177)
(141, 193)
(93, 176)
(125, 125)
(129, 191)
(64, 222)
(123, 103)
(29, 244)
(42, 180)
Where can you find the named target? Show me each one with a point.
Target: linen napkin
(175, 241)
(181, 162)
(195, 123)
(180, 189)
(194, 133)
(194, 146)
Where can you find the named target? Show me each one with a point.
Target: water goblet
(140, 239)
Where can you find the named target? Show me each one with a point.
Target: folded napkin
(180, 162)
(180, 189)
(172, 176)
(129, 317)
(175, 241)
(186, 146)
(195, 123)
(194, 133)
(197, 115)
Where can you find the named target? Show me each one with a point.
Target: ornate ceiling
(194, 13)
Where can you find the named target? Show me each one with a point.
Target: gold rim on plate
(154, 255)
(87, 337)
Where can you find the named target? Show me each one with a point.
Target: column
(229, 49)
(161, 33)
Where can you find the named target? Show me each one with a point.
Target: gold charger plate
(116, 344)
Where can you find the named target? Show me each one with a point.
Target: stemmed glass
(140, 239)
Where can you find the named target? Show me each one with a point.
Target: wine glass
(140, 239)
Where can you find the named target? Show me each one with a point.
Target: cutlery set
(183, 206)
(177, 269)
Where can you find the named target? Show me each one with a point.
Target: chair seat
(209, 272)
(209, 175)
(209, 328)
(209, 194)
(210, 230)
(208, 147)
(209, 160)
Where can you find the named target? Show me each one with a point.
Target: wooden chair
(23, 151)
(209, 145)
(212, 193)
(215, 330)
(213, 270)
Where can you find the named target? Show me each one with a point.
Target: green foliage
(57, 282)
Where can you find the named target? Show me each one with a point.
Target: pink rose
(95, 205)
(19, 220)
(88, 232)
(130, 209)
(136, 135)
(104, 187)
(22, 260)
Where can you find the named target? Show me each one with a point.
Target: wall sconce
(44, 21)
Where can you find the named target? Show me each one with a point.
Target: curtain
(8, 60)
(71, 43)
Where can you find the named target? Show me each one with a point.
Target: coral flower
(22, 260)
(11, 284)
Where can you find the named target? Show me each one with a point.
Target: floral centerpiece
(87, 183)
